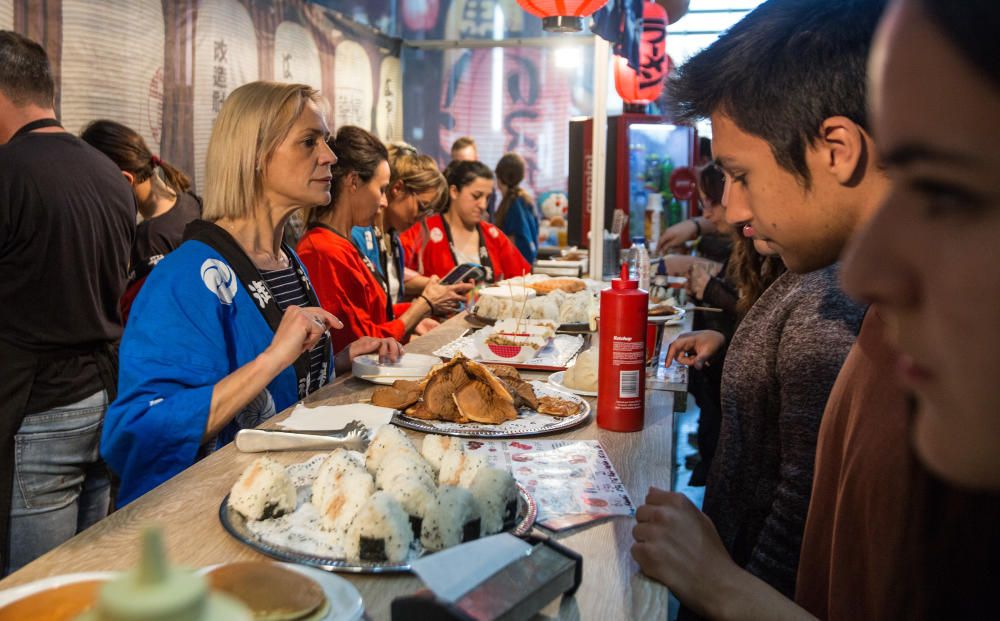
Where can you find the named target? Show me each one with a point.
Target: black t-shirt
(158, 236)
(67, 220)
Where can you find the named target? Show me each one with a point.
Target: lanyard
(383, 281)
(38, 124)
(484, 255)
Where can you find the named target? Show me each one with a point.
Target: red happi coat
(347, 288)
(430, 253)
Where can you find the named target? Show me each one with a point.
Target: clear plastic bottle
(638, 262)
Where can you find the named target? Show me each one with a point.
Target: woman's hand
(696, 348)
(676, 235)
(388, 350)
(698, 278)
(300, 329)
(426, 325)
(445, 298)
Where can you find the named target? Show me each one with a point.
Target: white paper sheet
(478, 559)
(336, 416)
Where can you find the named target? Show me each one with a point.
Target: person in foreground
(347, 281)
(461, 234)
(904, 512)
(67, 220)
(234, 332)
(802, 187)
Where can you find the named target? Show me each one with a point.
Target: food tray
(236, 525)
(528, 423)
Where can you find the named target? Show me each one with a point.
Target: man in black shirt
(67, 220)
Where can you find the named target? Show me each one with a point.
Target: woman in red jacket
(347, 283)
(460, 234)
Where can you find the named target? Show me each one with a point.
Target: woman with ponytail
(162, 193)
(516, 214)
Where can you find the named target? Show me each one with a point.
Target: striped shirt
(287, 290)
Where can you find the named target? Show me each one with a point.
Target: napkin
(325, 417)
(477, 559)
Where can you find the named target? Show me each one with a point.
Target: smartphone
(463, 273)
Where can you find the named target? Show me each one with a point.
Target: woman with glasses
(360, 289)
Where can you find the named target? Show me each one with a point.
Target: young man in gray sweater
(785, 90)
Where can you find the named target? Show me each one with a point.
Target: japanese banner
(389, 110)
(353, 94)
(225, 57)
(112, 65)
(296, 57)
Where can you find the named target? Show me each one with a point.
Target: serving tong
(354, 436)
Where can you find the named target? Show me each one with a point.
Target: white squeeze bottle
(638, 263)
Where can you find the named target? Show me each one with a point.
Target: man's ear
(128, 177)
(844, 149)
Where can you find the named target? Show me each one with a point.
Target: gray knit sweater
(778, 373)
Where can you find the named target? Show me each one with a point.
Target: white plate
(556, 379)
(411, 366)
(527, 423)
(11, 595)
(345, 601)
(669, 320)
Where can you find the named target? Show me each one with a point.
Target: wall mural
(508, 99)
(164, 67)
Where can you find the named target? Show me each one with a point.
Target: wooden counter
(187, 508)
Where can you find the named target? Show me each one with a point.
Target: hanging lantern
(561, 15)
(645, 85)
(420, 15)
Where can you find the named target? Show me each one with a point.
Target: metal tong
(354, 436)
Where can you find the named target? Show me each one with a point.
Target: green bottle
(675, 212)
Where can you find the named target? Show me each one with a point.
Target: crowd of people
(850, 431)
(227, 324)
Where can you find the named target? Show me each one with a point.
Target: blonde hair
(254, 120)
(419, 173)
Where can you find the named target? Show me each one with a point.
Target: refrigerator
(643, 153)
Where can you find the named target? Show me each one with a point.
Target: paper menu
(572, 481)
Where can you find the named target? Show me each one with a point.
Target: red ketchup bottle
(621, 375)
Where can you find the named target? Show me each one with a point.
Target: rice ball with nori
(387, 439)
(402, 461)
(341, 504)
(459, 468)
(380, 532)
(452, 519)
(263, 491)
(337, 465)
(434, 448)
(496, 495)
(416, 494)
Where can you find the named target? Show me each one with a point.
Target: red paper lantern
(561, 15)
(420, 15)
(645, 85)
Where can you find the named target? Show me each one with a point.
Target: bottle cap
(639, 240)
(624, 282)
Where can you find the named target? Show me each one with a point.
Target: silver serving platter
(528, 423)
(566, 328)
(236, 525)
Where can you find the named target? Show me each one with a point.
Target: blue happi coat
(192, 324)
